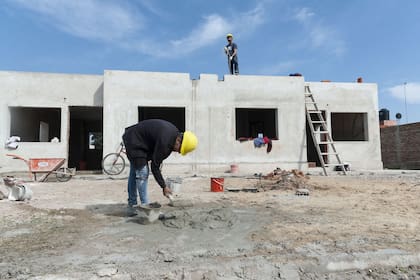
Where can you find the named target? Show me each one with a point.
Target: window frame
(268, 110)
(345, 137)
(15, 129)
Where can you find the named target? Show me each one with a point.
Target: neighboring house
(88, 114)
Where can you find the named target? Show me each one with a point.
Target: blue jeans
(137, 181)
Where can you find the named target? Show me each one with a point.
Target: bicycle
(114, 163)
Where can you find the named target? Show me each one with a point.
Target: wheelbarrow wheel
(113, 164)
(63, 174)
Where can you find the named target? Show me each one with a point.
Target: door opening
(311, 152)
(85, 143)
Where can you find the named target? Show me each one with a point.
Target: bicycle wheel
(63, 174)
(113, 164)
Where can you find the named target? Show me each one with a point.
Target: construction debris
(9, 181)
(246, 189)
(304, 192)
(283, 179)
(18, 191)
(2, 196)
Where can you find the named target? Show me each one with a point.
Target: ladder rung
(314, 111)
(326, 154)
(308, 94)
(325, 143)
(321, 131)
(334, 164)
(318, 121)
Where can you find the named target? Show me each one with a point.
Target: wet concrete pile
(202, 218)
(280, 179)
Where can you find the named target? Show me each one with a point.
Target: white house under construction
(74, 109)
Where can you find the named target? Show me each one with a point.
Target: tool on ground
(164, 217)
(302, 192)
(171, 198)
(319, 129)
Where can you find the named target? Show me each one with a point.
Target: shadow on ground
(116, 210)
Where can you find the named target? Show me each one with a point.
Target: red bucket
(234, 168)
(216, 184)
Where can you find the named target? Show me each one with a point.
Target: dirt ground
(363, 226)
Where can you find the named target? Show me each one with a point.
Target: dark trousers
(233, 66)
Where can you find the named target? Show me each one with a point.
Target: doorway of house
(311, 153)
(85, 141)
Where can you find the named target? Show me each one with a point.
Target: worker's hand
(167, 191)
(230, 57)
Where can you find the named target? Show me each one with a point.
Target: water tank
(383, 114)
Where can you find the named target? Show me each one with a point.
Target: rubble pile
(283, 179)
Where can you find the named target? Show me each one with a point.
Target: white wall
(210, 112)
(215, 122)
(353, 98)
(27, 89)
(125, 91)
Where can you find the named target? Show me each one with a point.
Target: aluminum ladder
(316, 120)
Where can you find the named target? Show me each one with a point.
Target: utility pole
(405, 101)
(398, 140)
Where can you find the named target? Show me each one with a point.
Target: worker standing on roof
(152, 140)
(231, 50)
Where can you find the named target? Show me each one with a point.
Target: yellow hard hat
(189, 143)
(229, 35)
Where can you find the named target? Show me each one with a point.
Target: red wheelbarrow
(46, 166)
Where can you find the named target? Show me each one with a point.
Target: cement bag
(19, 193)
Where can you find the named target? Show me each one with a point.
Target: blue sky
(324, 40)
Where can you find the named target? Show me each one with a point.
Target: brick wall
(400, 146)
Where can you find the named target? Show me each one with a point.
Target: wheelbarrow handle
(32, 176)
(17, 157)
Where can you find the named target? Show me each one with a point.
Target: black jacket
(150, 140)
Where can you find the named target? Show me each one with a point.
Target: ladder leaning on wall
(319, 128)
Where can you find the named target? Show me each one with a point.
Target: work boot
(130, 211)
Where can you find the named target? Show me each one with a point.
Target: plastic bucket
(175, 187)
(216, 184)
(174, 184)
(234, 168)
(20, 193)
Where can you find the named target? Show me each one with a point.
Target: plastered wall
(210, 106)
(356, 98)
(210, 112)
(42, 90)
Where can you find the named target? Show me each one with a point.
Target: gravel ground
(362, 226)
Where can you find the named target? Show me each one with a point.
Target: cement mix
(202, 218)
